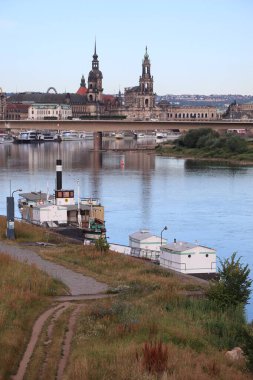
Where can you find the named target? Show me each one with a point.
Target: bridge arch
(51, 88)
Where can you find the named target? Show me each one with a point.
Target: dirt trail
(81, 288)
(67, 342)
(37, 327)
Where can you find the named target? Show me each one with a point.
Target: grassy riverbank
(155, 327)
(206, 144)
(151, 305)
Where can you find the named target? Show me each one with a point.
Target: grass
(150, 309)
(24, 292)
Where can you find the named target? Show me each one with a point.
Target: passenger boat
(50, 136)
(30, 136)
(62, 212)
(72, 136)
(6, 138)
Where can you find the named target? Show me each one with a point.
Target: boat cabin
(145, 244)
(188, 258)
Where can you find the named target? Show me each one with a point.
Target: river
(211, 203)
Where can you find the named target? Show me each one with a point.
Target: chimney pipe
(175, 240)
(58, 175)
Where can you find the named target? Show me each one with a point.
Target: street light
(164, 229)
(10, 215)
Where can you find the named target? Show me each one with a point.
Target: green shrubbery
(206, 138)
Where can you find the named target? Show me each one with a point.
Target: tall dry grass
(23, 295)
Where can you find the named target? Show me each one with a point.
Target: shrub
(233, 287)
(102, 245)
(236, 144)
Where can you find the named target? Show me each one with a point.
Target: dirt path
(76, 282)
(81, 288)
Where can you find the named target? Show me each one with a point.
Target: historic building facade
(137, 103)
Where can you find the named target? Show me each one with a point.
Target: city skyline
(197, 46)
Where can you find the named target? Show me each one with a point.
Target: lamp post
(10, 215)
(164, 229)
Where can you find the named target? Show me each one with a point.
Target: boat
(72, 136)
(50, 136)
(62, 212)
(144, 136)
(119, 135)
(167, 136)
(89, 135)
(6, 138)
(30, 136)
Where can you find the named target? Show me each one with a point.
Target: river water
(211, 203)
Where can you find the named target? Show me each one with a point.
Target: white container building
(145, 244)
(188, 258)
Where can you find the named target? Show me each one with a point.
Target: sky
(195, 46)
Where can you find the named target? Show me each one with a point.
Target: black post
(58, 175)
(10, 218)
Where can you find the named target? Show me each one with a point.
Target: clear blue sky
(195, 46)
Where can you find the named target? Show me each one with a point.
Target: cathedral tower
(146, 94)
(95, 77)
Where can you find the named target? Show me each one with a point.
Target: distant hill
(219, 101)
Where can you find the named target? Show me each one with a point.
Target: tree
(233, 287)
(102, 245)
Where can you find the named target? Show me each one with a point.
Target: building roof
(142, 235)
(132, 89)
(36, 196)
(181, 246)
(82, 91)
(41, 97)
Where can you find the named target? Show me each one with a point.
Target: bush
(236, 144)
(102, 245)
(233, 288)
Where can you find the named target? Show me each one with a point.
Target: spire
(95, 56)
(146, 56)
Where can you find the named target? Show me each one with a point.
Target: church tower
(95, 77)
(146, 94)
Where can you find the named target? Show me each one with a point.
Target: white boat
(52, 136)
(144, 136)
(30, 136)
(119, 135)
(167, 136)
(89, 135)
(72, 136)
(5, 138)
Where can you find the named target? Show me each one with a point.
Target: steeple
(146, 56)
(82, 84)
(95, 62)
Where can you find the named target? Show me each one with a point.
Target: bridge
(122, 125)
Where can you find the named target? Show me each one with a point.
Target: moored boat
(6, 138)
(62, 211)
(72, 136)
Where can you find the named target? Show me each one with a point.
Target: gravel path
(76, 282)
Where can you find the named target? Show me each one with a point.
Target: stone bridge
(121, 125)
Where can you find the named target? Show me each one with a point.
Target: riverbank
(115, 337)
(169, 150)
